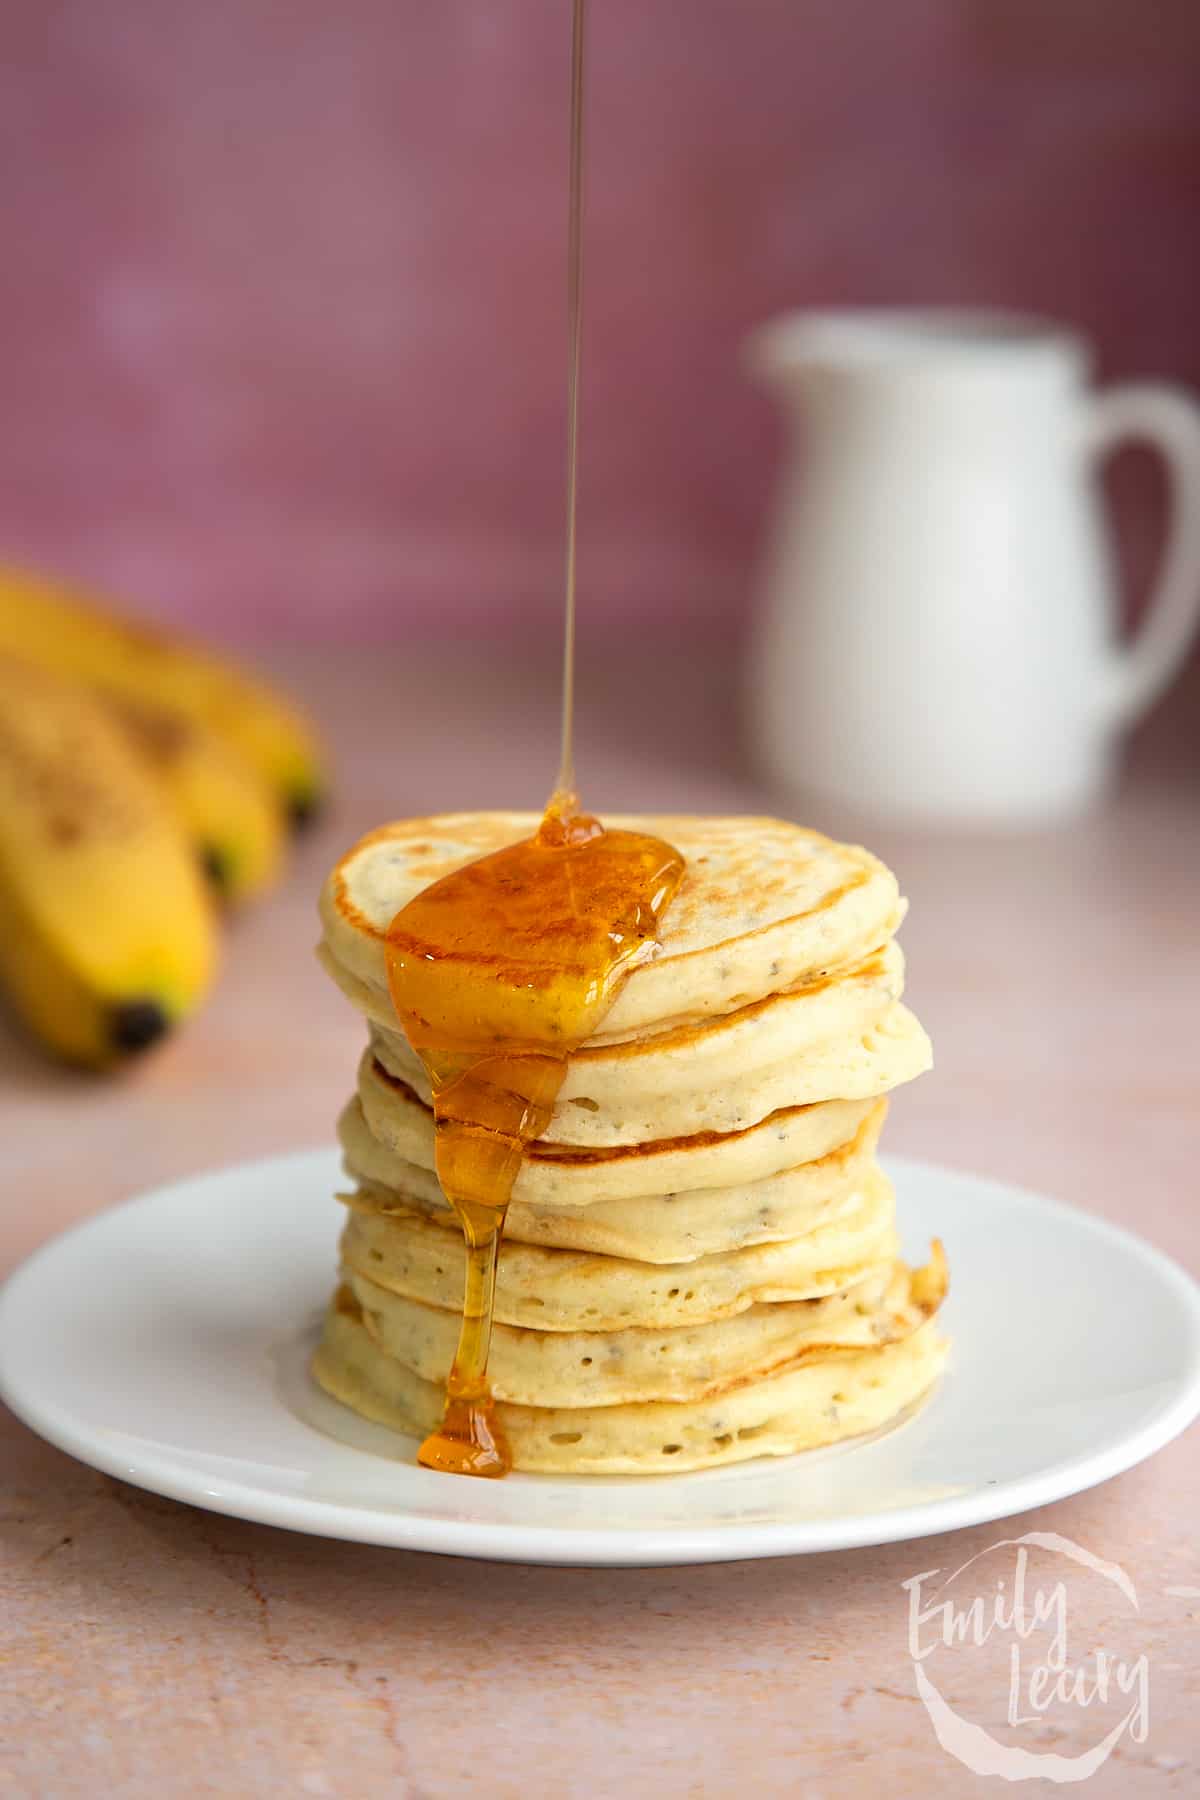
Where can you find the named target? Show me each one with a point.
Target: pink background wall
(281, 334)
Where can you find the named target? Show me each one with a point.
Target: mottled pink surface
(281, 321)
(152, 1651)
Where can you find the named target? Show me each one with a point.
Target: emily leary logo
(1024, 1622)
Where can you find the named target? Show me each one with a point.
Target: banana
(222, 803)
(107, 932)
(47, 625)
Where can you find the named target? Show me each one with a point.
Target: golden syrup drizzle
(565, 786)
(501, 970)
(498, 972)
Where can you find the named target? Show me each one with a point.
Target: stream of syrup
(499, 971)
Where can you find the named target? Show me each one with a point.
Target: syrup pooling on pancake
(498, 972)
(766, 904)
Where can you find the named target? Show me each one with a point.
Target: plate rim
(564, 1545)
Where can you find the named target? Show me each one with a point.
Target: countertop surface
(151, 1649)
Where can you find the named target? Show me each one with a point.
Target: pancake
(762, 906)
(553, 1176)
(597, 1368)
(822, 1400)
(567, 1290)
(657, 1228)
(800, 1022)
(888, 1053)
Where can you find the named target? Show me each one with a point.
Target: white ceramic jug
(937, 637)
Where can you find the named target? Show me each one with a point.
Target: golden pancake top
(763, 905)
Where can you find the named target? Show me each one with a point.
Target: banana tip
(135, 1025)
(303, 806)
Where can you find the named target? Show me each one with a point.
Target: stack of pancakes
(700, 1260)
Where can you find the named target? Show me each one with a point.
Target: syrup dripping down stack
(700, 1261)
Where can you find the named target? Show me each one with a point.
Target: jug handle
(1167, 419)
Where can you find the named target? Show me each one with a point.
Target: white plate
(166, 1342)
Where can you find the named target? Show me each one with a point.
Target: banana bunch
(141, 779)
